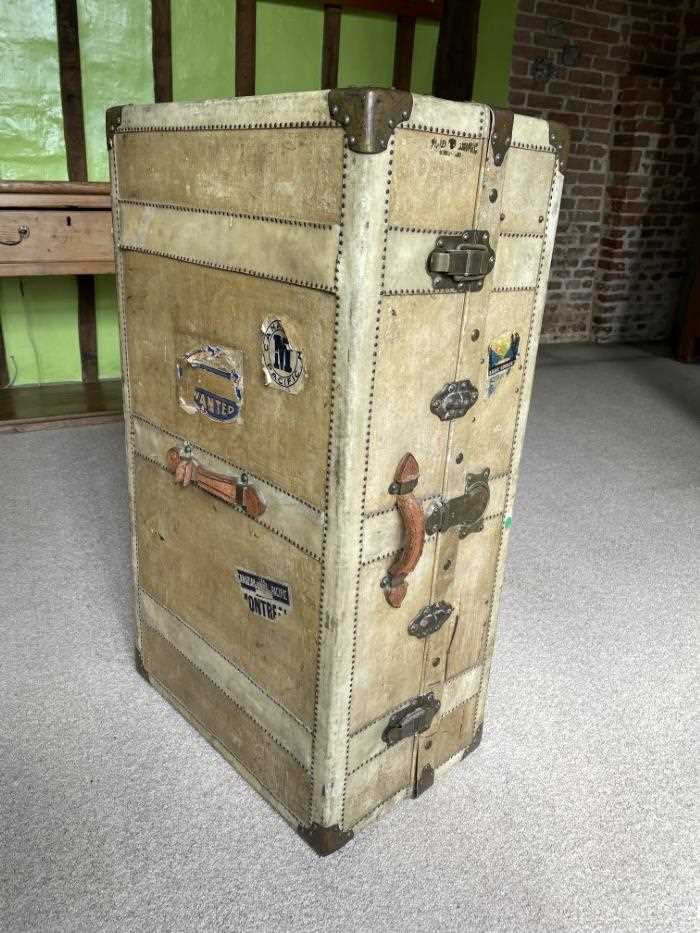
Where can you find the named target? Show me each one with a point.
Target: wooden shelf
(63, 404)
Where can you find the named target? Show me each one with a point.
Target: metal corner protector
(369, 115)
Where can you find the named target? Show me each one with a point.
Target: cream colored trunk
(282, 330)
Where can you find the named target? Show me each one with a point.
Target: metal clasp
(414, 718)
(461, 261)
(466, 511)
(430, 619)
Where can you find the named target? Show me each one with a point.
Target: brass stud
(475, 334)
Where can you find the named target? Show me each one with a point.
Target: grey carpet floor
(576, 813)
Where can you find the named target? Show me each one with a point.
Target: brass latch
(465, 511)
(461, 261)
(413, 718)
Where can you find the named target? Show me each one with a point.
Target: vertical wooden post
(403, 52)
(4, 372)
(245, 47)
(161, 32)
(455, 61)
(331, 45)
(76, 160)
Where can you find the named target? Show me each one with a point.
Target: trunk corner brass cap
(325, 840)
(369, 115)
(113, 120)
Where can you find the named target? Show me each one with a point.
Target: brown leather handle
(394, 584)
(231, 490)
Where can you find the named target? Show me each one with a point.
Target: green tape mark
(507, 522)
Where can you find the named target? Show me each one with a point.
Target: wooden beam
(71, 88)
(4, 371)
(455, 61)
(331, 45)
(26, 408)
(421, 9)
(245, 47)
(403, 52)
(162, 51)
(87, 327)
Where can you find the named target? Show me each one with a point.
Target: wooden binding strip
(331, 45)
(162, 51)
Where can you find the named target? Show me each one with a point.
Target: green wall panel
(40, 326)
(282, 28)
(424, 48)
(203, 40)
(107, 319)
(31, 123)
(366, 49)
(495, 46)
(115, 60)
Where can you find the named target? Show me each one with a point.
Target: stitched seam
(223, 744)
(196, 128)
(533, 148)
(464, 134)
(220, 212)
(514, 288)
(369, 760)
(230, 463)
(368, 435)
(521, 236)
(457, 706)
(241, 511)
(233, 664)
(226, 267)
(398, 228)
(391, 508)
(492, 613)
(329, 459)
(230, 699)
(392, 292)
(374, 560)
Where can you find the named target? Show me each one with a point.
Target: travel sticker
(265, 597)
(210, 382)
(282, 360)
(503, 352)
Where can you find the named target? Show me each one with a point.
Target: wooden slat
(4, 371)
(455, 60)
(87, 327)
(331, 45)
(71, 88)
(422, 9)
(403, 52)
(54, 187)
(245, 47)
(58, 202)
(78, 267)
(24, 408)
(162, 51)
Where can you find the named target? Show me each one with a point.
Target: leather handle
(228, 488)
(394, 584)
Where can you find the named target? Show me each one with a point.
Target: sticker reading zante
(266, 598)
(283, 364)
(503, 352)
(210, 382)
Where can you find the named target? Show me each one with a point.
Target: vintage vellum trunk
(330, 308)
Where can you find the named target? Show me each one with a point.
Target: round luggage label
(283, 364)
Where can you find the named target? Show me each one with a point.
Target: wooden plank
(245, 47)
(30, 407)
(421, 9)
(161, 32)
(403, 52)
(455, 60)
(12, 269)
(71, 88)
(78, 202)
(331, 45)
(55, 187)
(87, 328)
(56, 236)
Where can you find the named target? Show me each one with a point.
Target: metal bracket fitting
(454, 400)
(414, 718)
(430, 619)
(462, 261)
(466, 511)
(369, 115)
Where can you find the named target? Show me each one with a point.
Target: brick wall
(624, 77)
